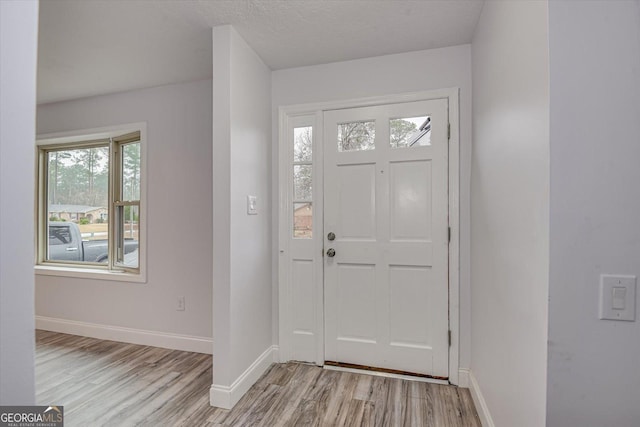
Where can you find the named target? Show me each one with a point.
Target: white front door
(386, 202)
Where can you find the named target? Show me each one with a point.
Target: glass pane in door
(356, 136)
(302, 182)
(303, 220)
(410, 132)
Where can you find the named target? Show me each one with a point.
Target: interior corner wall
(510, 212)
(179, 193)
(385, 75)
(18, 53)
(593, 375)
(242, 315)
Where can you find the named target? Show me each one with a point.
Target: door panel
(357, 208)
(410, 200)
(356, 310)
(386, 200)
(302, 276)
(409, 291)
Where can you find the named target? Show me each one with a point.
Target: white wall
(385, 75)
(179, 213)
(594, 376)
(242, 243)
(509, 211)
(18, 52)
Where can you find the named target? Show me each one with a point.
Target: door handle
(72, 249)
(331, 252)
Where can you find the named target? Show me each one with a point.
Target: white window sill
(89, 273)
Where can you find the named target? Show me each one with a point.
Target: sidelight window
(303, 182)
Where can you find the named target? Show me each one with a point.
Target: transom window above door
(403, 132)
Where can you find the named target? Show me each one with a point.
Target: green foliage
(131, 213)
(83, 221)
(54, 218)
(399, 131)
(78, 176)
(131, 171)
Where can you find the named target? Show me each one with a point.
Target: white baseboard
(463, 377)
(479, 402)
(226, 397)
(128, 335)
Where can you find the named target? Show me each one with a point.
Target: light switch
(618, 297)
(252, 205)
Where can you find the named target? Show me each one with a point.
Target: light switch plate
(618, 297)
(252, 208)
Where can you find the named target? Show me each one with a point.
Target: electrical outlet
(180, 304)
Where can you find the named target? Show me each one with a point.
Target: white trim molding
(463, 377)
(478, 400)
(226, 397)
(128, 335)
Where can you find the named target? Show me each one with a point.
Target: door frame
(314, 112)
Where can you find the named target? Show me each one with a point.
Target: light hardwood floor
(116, 384)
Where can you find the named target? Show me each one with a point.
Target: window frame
(112, 137)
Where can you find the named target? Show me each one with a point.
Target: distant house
(303, 220)
(76, 212)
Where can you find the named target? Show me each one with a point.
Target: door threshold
(381, 372)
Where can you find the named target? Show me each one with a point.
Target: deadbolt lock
(331, 236)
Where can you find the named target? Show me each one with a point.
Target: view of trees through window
(77, 190)
(410, 132)
(403, 132)
(79, 177)
(302, 182)
(356, 136)
(131, 171)
(352, 136)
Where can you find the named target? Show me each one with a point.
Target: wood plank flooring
(107, 383)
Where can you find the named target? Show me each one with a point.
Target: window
(302, 182)
(410, 132)
(89, 209)
(356, 136)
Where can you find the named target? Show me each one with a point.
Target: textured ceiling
(101, 46)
